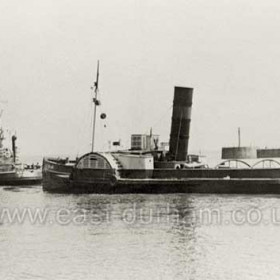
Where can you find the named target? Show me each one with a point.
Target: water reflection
(137, 236)
(165, 225)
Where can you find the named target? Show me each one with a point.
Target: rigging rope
(161, 117)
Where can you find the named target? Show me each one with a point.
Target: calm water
(138, 236)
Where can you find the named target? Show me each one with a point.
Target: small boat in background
(12, 171)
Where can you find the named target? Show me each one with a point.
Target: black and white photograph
(139, 139)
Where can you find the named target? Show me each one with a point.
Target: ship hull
(56, 176)
(188, 186)
(59, 179)
(19, 178)
(20, 181)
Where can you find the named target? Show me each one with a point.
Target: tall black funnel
(180, 127)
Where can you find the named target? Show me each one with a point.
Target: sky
(228, 51)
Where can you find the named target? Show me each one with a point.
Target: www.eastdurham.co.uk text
(134, 214)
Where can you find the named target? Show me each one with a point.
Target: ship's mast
(96, 103)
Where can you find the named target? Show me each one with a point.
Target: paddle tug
(148, 167)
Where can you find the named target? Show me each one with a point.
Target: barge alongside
(146, 168)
